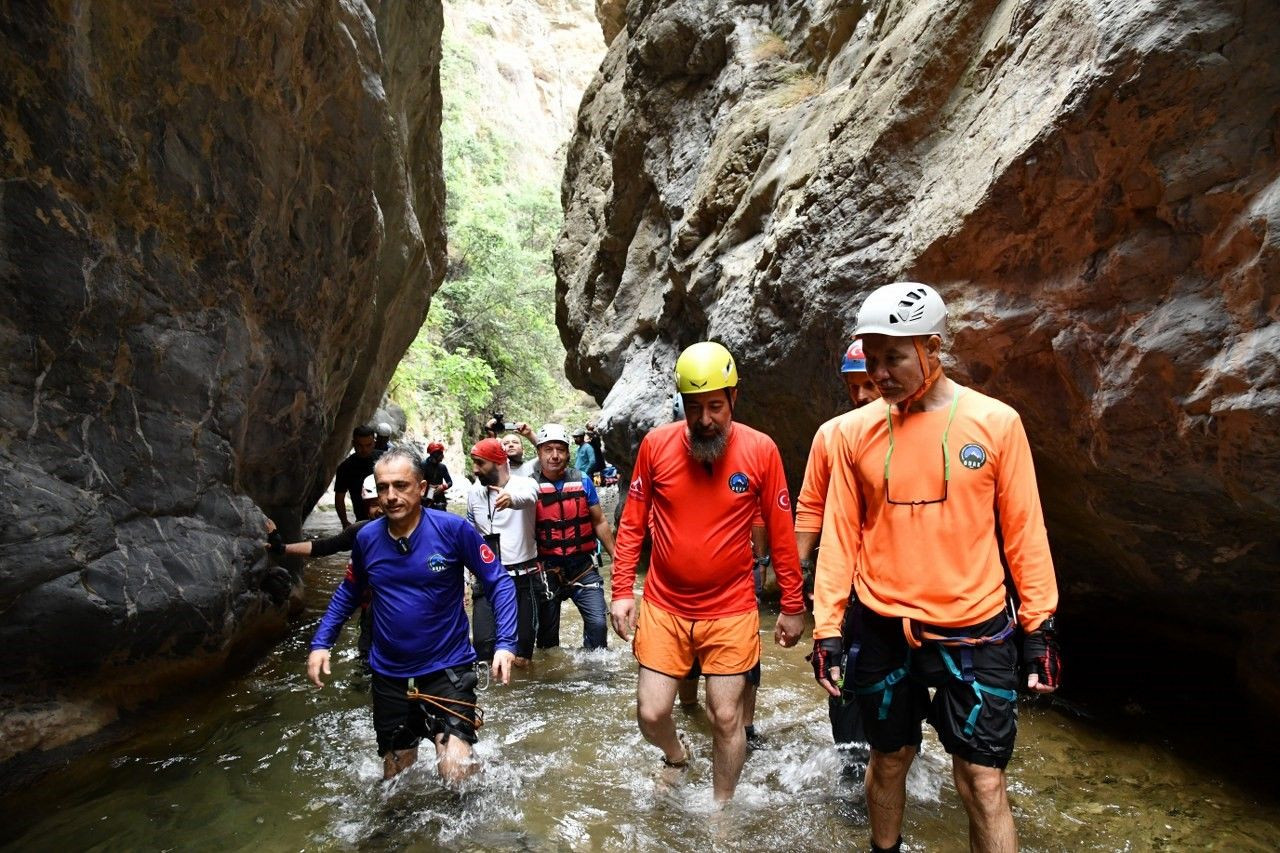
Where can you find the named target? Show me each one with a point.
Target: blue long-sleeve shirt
(419, 624)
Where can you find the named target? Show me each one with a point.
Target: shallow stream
(268, 763)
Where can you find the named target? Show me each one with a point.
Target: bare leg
(397, 760)
(728, 740)
(454, 759)
(887, 793)
(986, 799)
(688, 693)
(655, 695)
(749, 705)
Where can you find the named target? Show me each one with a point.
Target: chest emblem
(973, 456)
(738, 482)
(437, 563)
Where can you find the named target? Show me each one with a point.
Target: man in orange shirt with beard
(695, 489)
(921, 536)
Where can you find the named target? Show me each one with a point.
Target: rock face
(1095, 189)
(220, 227)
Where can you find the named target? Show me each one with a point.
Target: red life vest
(564, 526)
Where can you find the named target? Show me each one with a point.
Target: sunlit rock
(1092, 186)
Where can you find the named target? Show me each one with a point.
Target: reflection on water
(267, 762)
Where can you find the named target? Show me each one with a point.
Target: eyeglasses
(946, 459)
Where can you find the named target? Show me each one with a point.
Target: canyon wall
(1093, 187)
(220, 227)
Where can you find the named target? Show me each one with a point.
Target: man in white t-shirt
(501, 507)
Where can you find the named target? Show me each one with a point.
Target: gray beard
(707, 450)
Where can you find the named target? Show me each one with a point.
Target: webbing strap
(978, 689)
(886, 684)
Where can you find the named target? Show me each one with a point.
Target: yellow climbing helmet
(705, 366)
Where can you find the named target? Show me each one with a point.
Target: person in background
(382, 435)
(569, 525)
(586, 455)
(437, 476)
(511, 443)
(501, 507)
(351, 475)
(846, 721)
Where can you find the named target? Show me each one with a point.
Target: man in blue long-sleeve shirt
(422, 660)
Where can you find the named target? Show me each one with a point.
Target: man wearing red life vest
(695, 489)
(568, 524)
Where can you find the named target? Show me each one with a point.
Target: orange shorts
(670, 644)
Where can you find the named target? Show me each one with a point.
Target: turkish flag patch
(486, 553)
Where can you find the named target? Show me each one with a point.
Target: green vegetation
(490, 342)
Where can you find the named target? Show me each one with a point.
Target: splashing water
(270, 763)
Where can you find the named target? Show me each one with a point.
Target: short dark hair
(362, 431)
(407, 452)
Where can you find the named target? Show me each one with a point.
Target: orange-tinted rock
(1095, 188)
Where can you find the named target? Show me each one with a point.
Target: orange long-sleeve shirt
(817, 475)
(699, 518)
(938, 563)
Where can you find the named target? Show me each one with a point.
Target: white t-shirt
(514, 526)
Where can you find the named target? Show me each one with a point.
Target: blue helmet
(854, 361)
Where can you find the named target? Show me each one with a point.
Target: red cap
(489, 449)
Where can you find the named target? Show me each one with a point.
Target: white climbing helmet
(369, 489)
(552, 432)
(902, 309)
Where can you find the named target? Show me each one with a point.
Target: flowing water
(268, 763)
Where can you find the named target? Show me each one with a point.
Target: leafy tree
(490, 341)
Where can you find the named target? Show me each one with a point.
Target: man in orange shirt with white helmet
(921, 535)
(695, 489)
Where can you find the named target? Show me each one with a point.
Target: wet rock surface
(220, 227)
(1093, 187)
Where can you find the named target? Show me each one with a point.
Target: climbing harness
(963, 647)
(414, 693)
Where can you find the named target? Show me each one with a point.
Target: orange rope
(439, 700)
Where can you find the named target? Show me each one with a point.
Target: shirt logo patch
(973, 456)
(738, 482)
(784, 500)
(637, 489)
(486, 553)
(437, 563)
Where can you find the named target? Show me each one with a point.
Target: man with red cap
(438, 479)
(501, 507)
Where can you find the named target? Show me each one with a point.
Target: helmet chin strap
(929, 379)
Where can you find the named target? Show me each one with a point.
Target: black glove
(1040, 655)
(826, 653)
(275, 542)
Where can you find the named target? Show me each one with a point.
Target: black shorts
(892, 712)
(401, 722)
